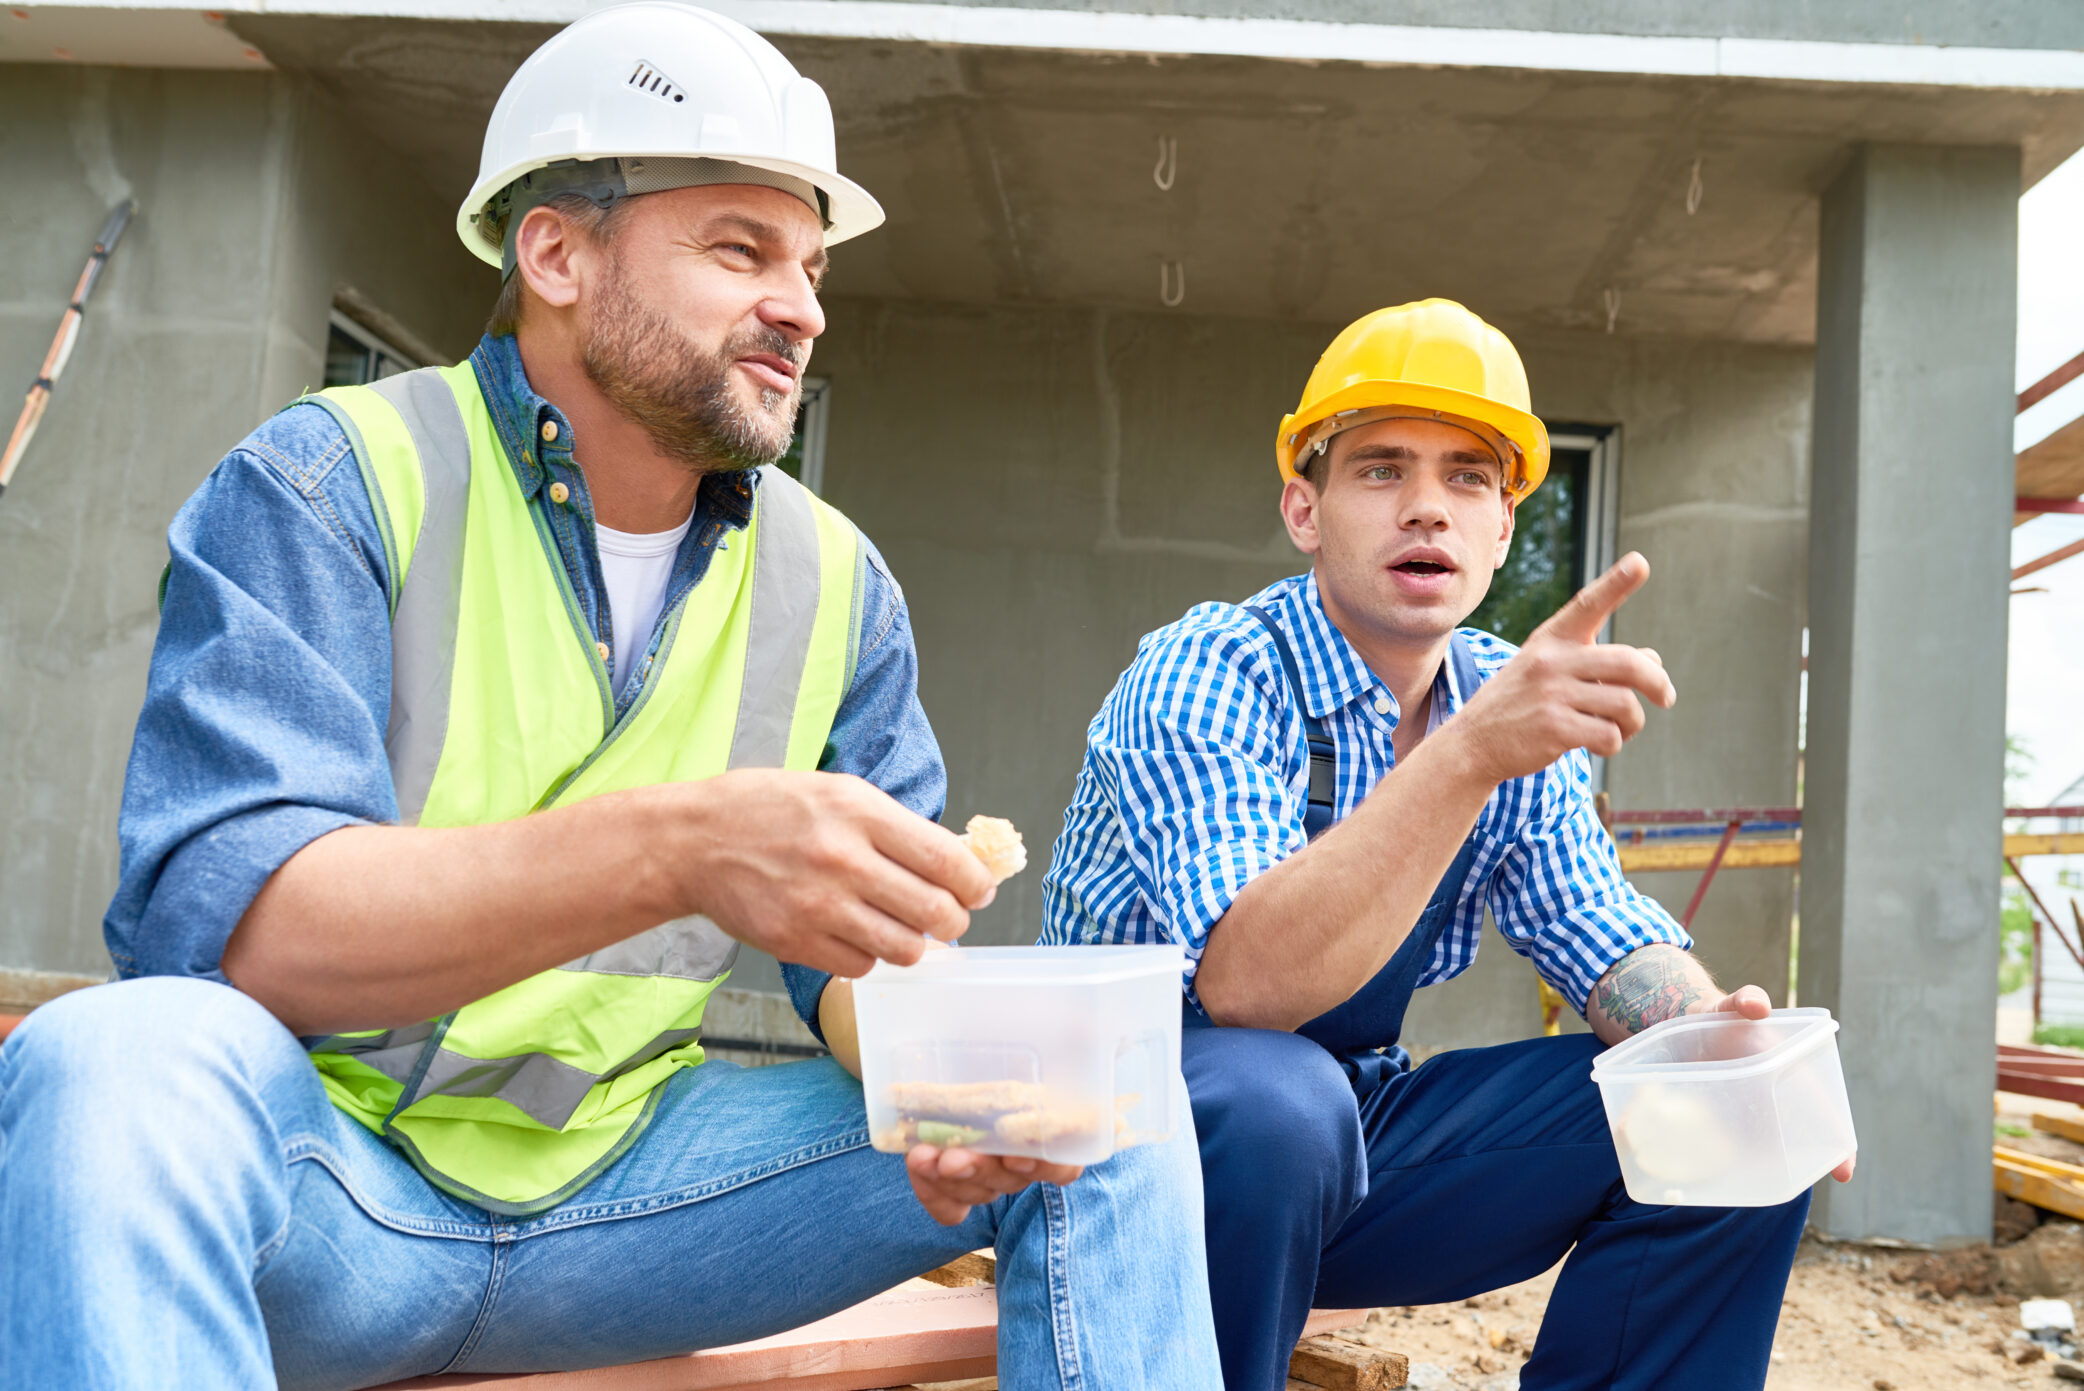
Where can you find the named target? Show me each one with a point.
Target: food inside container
(1715, 1110)
(1059, 1053)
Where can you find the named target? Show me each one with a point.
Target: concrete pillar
(1908, 571)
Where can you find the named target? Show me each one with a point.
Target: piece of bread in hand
(994, 841)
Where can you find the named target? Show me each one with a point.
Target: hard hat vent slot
(647, 78)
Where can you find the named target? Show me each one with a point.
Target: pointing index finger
(1588, 610)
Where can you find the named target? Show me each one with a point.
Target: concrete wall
(256, 203)
(1049, 485)
(1996, 24)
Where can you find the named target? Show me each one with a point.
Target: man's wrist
(1451, 759)
(671, 832)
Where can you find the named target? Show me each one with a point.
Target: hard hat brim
(851, 208)
(1521, 427)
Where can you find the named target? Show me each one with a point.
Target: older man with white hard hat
(493, 706)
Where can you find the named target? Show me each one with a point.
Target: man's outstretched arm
(1301, 938)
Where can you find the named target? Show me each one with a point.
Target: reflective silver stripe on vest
(548, 1090)
(423, 631)
(691, 948)
(392, 1052)
(786, 580)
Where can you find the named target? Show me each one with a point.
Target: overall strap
(1324, 755)
(1466, 679)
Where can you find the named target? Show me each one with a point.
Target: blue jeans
(1479, 1169)
(180, 1206)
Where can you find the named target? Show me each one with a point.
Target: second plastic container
(1060, 1053)
(1712, 1110)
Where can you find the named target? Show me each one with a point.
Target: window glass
(1546, 564)
(805, 461)
(356, 357)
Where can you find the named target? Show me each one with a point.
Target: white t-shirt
(635, 570)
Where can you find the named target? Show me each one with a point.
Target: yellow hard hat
(1431, 360)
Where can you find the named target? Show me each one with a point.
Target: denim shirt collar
(538, 437)
(1334, 675)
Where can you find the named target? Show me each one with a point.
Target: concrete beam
(1909, 518)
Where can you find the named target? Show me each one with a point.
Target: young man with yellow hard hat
(1319, 793)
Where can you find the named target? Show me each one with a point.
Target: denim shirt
(270, 685)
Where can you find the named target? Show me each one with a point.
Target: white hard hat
(644, 97)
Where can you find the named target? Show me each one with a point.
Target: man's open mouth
(1422, 567)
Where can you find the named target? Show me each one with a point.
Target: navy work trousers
(1476, 1170)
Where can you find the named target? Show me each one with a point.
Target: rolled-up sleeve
(1559, 895)
(263, 722)
(1194, 757)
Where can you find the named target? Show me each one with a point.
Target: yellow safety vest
(501, 705)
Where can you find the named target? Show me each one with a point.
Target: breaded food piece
(964, 1100)
(1046, 1124)
(993, 840)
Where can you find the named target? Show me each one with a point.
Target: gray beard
(680, 395)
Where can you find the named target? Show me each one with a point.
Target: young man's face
(700, 307)
(1407, 521)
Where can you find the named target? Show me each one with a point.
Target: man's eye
(1382, 473)
(1474, 479)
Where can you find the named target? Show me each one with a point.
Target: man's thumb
(1588, 610)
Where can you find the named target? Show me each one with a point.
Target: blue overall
(1336, 1175)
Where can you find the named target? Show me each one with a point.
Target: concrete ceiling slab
(1543, 199)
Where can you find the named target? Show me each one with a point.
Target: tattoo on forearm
(1648, 986)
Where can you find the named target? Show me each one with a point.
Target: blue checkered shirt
(1196, 778)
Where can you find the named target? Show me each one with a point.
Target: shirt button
(549, 432)
(1382, 705)
(559, 493)
(602, 648)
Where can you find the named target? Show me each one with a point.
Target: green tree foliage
(1540, 572)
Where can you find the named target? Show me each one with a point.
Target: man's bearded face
(691, 401)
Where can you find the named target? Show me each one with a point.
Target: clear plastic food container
(1059, 1053)
(1711, 1110)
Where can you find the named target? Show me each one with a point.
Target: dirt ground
(1853, 1319)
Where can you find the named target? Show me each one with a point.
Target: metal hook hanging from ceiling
(1172, 283)
(1167, 168)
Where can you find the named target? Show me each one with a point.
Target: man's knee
(136, 1046)
(1275, 1114)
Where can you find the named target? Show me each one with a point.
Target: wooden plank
(2045, 1183)
(1654, 856)
(1332, 1320)
(2025, 1082)
(1332, 1363)
(2042, 1067)
(2065, 1126)
(2052, 468)
(910, 1334)
(2058, 843)
(977, 1268)
(914, 1333)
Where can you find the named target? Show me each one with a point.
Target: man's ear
(1299, 513)
(548, 256)
(1512, 507)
